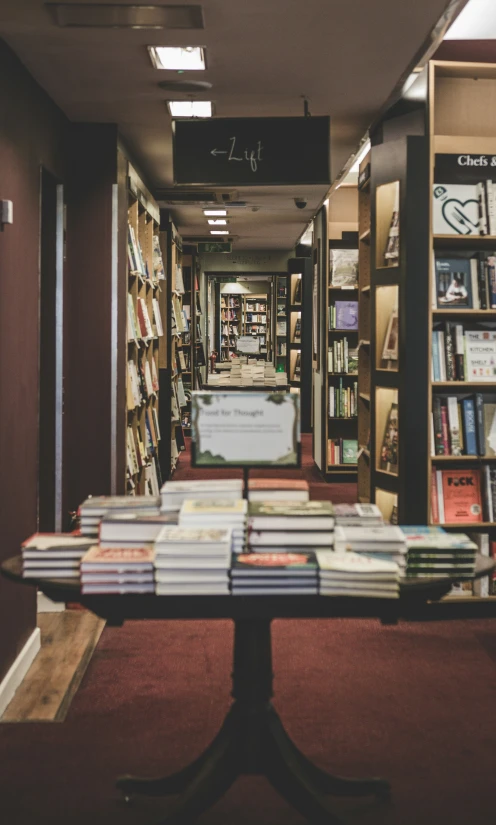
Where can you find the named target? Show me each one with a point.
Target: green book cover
(350, 449)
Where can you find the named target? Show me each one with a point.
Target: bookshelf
(299, 286)
(281, 326)
(445, 404)
(231, 323)
(341, 384)
(146, 342)
(364, 333)
(295, 327)
(255, 319)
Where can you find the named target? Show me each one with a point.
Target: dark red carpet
(414, 703)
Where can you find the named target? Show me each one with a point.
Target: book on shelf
(390, 345)
(343, 400)
(158, 261)
(344, 268)
(342, 451)
(297, 331)
(460, 354)
(157, 317)
(456, 496)
(297, 291)
(392, 251)
(456, 283)
(179, 281)
(389, 449)
(343, 315)
(297, 367)
(133, 330)
(457, 209)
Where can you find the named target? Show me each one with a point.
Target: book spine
(442, 356)
(469, 426)
(479, 413)
(459, 353)
(491, 213)
(445, 429)
(449, 349)
(438, 426)
(436, 375)
(492, 479)
(491, 277)
(482, 283)
(475, 282)
(454, 426)
(434, 501)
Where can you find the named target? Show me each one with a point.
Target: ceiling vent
(194, 197)
(123, 16)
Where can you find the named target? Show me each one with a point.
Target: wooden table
(252, 739)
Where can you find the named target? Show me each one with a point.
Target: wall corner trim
(18, 670)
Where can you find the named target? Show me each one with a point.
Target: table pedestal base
(252, 740)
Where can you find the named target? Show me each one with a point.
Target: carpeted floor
(414, 703)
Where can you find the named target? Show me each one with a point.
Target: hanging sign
(245, 429)
(464, 168)
(252, 151)
(213, 246)
(248, 343)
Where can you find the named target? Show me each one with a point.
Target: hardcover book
(455, 209)
(462, 498)
(453, 283)
(346, 314)
(480, 349)
(389, 450)
(344, 267)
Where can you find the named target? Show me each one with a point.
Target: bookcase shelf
(364, 333)
(281, 339)
(450, 118)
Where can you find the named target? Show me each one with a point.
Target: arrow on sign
(218, 152)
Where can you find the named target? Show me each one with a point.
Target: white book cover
(480, 351)
(207, 486)
(455, 209)
(442, 356)
(454, 426)
(440, 495)
(474, 277)
(354, 563)
(383, 534)
(158, 318)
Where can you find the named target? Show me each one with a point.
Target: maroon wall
(33, 132)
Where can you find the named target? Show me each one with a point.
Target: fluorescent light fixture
(476, 21)
(360, 156)
(217, 221)
(190, 108)
(234, 289)
(219, 231)
(215, 211)
(178, 58)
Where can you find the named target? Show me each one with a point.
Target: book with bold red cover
(277, 484)
(462, 496)
(142, 321)
(434, 501)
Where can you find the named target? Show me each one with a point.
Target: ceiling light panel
(190, 108)
(117, 16)
(178, 58)
(219, 232)
(217, 221)
(215, 212)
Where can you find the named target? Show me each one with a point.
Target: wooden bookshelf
(341, 377)
(146, 341)
(450, 118)
(281, 316)
(258, 306)
(364, 233)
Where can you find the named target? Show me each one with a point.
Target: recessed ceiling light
(217, 221)
(219, 232)
(178, 58)
(215, 211)
(190, 108)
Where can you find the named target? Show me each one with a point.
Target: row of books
(341, 359)
(343, 315)
(141, 455)
(281, 348)
(137, 262)
(255, 306)
(256, 318)
(342, 451)
(142, 382)
(463, 496)
(464, 426)
(139, 324)
(230, 301)
(460, 354)
(255, 329)
(230, 315)
(179, 318)
(229, 329)
(228, 341)
(465, 283)
(343, 400)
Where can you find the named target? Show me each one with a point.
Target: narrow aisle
(319, 489)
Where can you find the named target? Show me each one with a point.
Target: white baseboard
(17, 672)
(45, 605)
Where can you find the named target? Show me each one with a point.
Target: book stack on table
(133, 529)
(278, 489)
(355, 574)
(175, 493)
(95, 508)
(53, 555)
(274, 574)
(118, 570)
(433, 553)
(217, 513)
(277, 526)
(380, 541)
(357, 515)
(192, 561)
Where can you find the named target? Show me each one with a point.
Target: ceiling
(263, 57)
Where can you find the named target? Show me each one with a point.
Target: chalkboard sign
(252, 151)
(464, 168)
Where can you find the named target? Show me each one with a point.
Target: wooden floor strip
(68, 640)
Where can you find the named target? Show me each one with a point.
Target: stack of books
(433, 553)
(357, 515)
(281, 378)
(217, 513)
(279, 525)
(381, 541)
(53, 555)
(117, 570)
(133, 530)
(278, 489)
(192, 561)
(274, 574)
(175, 493)
(95, 508)
(354, 574)
(270, 375)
